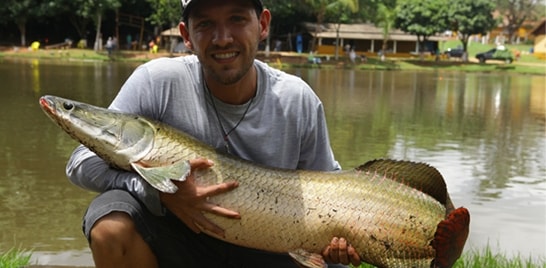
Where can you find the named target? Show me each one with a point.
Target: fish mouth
(47, 105)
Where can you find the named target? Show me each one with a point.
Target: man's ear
(185, 35)
(265, 21)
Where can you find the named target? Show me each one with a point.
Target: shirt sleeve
(88, 171)
(316, 152)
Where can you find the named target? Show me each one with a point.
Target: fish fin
(307, 259)
(450, 237)
(419, 176)
(160, 177)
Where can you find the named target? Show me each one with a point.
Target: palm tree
(385, 19)
(320, 8)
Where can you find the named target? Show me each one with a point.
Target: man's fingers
(200, 163)
(334, 250)
(212, 190)
(204, 224)
(342, 251)
(353, 256)
(221, 211)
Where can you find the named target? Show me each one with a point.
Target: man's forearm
(87, 170)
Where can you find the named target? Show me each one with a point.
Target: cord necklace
(224, 133)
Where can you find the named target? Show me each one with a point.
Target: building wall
(374, 46)
(539, 49)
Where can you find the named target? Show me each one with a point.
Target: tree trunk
(421, 43)
(22, 25)
(464, 39)
(98, 36)
(338, 26)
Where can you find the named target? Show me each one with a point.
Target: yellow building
(539, 49)
(366, 38)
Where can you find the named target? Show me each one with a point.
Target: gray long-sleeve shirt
(284, 126)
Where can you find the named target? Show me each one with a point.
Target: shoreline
(284, 60)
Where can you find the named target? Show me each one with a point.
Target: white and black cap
(187, 5)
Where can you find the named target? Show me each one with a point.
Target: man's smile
(225, 56)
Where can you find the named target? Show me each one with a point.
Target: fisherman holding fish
(227, 99)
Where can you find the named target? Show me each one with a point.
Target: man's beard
(228, 75)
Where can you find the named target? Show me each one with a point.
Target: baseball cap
(187, 4)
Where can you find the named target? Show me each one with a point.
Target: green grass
(528, 63)
(475, 48)
(79, 54)
(15, 258)
(485, 258)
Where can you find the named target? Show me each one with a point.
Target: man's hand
(340, 251)
(191, 200)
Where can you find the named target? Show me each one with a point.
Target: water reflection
(484, 132)
(39, 209)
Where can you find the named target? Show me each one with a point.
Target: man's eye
(203, 24)
(238, 19)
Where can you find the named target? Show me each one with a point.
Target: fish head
(117, 137)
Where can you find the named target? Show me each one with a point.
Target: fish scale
(389, 210)
(302, 210)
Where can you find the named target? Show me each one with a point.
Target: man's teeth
(225, 55)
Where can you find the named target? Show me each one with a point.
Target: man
(227, 99)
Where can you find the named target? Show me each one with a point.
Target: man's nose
(222, 36)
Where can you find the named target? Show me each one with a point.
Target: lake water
(485, 132)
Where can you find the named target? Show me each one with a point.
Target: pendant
(226, 144)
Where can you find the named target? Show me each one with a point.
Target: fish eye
(68, 105)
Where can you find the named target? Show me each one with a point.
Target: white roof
(174, 31)
(365, 31)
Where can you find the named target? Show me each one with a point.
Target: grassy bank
(14, 258)
(527, 63)
(484, 258)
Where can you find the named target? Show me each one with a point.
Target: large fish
(395, 213)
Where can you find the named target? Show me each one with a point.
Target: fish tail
(450, 238)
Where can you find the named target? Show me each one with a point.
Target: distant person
(299, 43)
(278, 45)
(129, 40)
(153, 47)
(109, 46)
(352, 55)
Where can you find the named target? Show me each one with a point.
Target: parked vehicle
(454, 52)
(499, 53)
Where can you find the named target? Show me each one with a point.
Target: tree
(165, 13)
(320, 9)
(20, 11)
(385, 18)
(422, 18)
(339, 14)
(470, 17)
(286, 15)
(95, 9)
(516, 12)
(74, 11)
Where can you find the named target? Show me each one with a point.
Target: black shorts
(173, 243)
